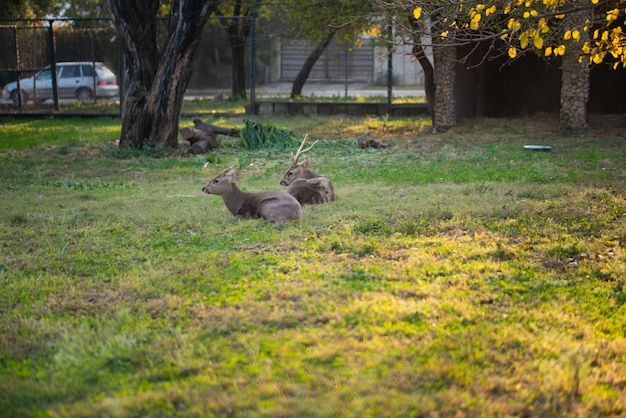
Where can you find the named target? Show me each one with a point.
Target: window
(44, 75)
(70, 71)
(88, 71)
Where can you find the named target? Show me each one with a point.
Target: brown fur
(273, 206)
(306, 186)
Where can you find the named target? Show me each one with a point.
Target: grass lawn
(457, 274)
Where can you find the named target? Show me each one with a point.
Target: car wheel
(84, 94)
(15, 97)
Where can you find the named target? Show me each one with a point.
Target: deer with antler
(272, 206)
(306, 186)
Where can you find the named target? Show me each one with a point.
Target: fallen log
(216, 129)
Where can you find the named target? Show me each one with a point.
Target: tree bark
(214, 128)
(575, 83)
(429, 78)
(155, 78)
(427, 68)
(445, 78)
(305, 71)
(238, 29)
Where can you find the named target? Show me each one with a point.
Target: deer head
(223, 182)
(299, 171)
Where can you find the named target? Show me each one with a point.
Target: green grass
(457, 274)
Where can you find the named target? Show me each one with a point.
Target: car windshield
(43, 75)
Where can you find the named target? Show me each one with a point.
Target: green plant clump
(256, 135)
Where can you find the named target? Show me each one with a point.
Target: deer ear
(306, 164)
(229, 171)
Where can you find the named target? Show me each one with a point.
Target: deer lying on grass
(304, 184)
(272, 206)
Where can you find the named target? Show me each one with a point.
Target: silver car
(75, 80)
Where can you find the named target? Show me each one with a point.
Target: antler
(294, 159)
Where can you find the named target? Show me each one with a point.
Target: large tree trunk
(574, 94)
(305, 71)
(155, 81)
(575, 82)
(445, 102)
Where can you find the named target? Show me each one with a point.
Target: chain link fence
(76, 50)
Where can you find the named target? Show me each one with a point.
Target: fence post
(390, 70)
(253, 60)
(17, 68)
(53, 64)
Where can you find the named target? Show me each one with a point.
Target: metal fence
(31, 52)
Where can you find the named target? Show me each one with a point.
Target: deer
(306, 186)
(273, 206)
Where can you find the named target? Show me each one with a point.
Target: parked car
(75, 80)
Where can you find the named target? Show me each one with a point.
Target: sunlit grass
(456, 274)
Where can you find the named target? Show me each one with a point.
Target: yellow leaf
(538, 42)
(594, 1)
(417, 12)
(523, 40)
(526, 15)
(586, 49)
(548, 51)
(568, 35)
(612, 15)
(444, 34)
(576, 35)
(512, 52)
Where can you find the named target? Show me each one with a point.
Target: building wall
(340, 63)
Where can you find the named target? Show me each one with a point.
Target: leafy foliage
(593, 29)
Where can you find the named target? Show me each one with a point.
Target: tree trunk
(305, 71)
(429, 78)
(445, 78)
(575, 83)
(155, 81)
(427, 68)
(574, 94)
(238, 29)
